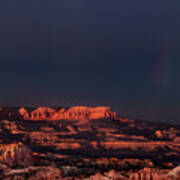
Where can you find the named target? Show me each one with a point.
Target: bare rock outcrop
(85, 143)
(16, 154)
(156, 174)
(174, 173)
(32, 173)
(41, 113)
(73, 113)
(112, 174)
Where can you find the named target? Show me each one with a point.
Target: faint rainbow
(160, 69)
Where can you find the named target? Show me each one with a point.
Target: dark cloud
(92, 52)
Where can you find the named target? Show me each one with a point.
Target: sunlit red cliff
(85, 143)
(73, 113)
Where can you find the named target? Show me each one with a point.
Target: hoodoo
(73, 113)
(16, 154)
(83, 142)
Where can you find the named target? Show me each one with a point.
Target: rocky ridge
(73, 113)
(85, 143)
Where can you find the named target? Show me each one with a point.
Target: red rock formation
(41, 113)
(148, 174)
(16, 154)
(107, 176)
(73, 113)
(23, 112)
(174, 173)
(33, 173)
(86, 145)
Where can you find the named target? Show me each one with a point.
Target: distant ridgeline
(47, 113)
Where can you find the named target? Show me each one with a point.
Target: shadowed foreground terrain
(85, 143)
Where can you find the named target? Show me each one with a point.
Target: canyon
(90, 143)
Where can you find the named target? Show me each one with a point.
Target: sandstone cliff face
(174, 173)
(16, 154)
(73, 113)
(85, 143)
(144, 174)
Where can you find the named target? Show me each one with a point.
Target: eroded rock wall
(16, 154)
(73, 113)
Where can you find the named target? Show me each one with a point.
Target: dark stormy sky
(121, 53)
